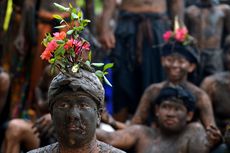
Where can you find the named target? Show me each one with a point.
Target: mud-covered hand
(214, 135)
(43, 126)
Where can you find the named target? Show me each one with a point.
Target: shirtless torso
(218, 87)
(209, 22)
(203, 102)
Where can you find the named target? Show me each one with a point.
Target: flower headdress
(68, 51)
(179, 41)
(180, 34)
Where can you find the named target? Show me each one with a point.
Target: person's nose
(74, 113)
(175, 63)
(170, 112)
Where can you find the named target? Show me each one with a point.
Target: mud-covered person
(174, 108)
(209, 23)
(218, 88)
(139, 27)
(76, 102)
(179, 61)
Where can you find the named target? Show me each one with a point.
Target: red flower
(69, 43)
(86, 46)
(181, 34)
(51, 46)
(46, 55)
(59, 36)
(167, 35)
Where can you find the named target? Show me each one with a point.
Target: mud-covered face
(176, 66)
(172, 116)
(75, 117)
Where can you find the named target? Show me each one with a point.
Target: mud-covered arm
(122, 139)
(207, 118)
(176, 8)
(107, 37)
(145, 105)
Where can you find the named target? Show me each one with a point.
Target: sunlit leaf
(99, 73)
(61, 8)
(56, 16)
(60, 27)
(70, 32)
(107, 66)
(98, 64)
(107, 81)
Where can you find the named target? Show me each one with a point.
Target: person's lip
(170, 122)
(73, 127)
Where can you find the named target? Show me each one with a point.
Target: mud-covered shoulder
(53, 148)
(106, 148)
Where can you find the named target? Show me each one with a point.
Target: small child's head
(179, 54)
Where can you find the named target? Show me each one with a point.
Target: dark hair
(190, 52)
(178, 92)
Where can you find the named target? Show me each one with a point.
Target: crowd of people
(170, 80)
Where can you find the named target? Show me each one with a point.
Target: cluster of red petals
(80, 45)
(59, 35)
(167, 35)
(69, 44)
(51, 46)
(181, 34)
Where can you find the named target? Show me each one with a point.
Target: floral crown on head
(180, 34)
(179, 41)
(67, 50)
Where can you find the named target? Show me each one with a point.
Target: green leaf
(98, 64)
(70, 5)
(85, 22)
(87, 63)
(59, 51)
(74, 16)
(60, 27)
(79, 14)
(70, 32)
(61, 8)
(56, 16)
(107, 66)
(90, 56)
(80, 28)
(62, 21)
(52, 60)
(107, 81)
(105, 73)
(99, 73)
(60, 42)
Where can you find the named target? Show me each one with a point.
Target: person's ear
(191, 67)
(99, 112)
(189, 116)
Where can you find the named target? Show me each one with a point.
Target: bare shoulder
(198, 141)
(155, 86)
(53, 148)
(192, 9)
(224, 7)
(195, 126)
(197, 91)
(208, 81)
(106, 148)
